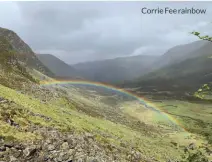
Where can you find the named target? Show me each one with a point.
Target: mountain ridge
(180, 53)
(117, 69)
(25, 53)
(57, 66)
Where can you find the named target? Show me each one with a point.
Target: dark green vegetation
(178, 80)
(206, 37)
(73, 123)
(181, 77)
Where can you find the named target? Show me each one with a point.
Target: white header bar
(114, 0)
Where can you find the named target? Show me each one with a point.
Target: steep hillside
(25, 54)
(115, 70)
(180, 53)
(178, 80)
(55, 123)
(57, 66)
(178, 73)
(12, 71)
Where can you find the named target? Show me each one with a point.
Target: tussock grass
(10, 133)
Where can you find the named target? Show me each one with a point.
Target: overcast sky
(86, 31)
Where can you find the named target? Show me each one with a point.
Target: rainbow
(142, 100)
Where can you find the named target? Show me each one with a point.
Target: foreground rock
(65, 147)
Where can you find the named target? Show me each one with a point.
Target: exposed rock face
(64, 147)
(25, 53)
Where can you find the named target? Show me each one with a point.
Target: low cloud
(86, 31)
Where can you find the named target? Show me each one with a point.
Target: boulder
(30, 151)
(65, 146)
(2, 148)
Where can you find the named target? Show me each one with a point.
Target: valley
(113, 122)
(131, 109)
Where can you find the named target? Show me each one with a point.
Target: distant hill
(57, 66)
(116, 70)
(181, 53)
(25, 54)
(181, 77)
(126, 69)
(178, 73)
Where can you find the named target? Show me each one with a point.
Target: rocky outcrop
(63, 147)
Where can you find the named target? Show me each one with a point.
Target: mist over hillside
(183, 67)
(182, 52)
(57, 66)
(116, 70)
(179, 72)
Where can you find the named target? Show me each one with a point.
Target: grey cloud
(54, 16)
(81, 31)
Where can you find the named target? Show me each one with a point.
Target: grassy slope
(80, 111)
(196, 118)
(75, 110)
(105, 131)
